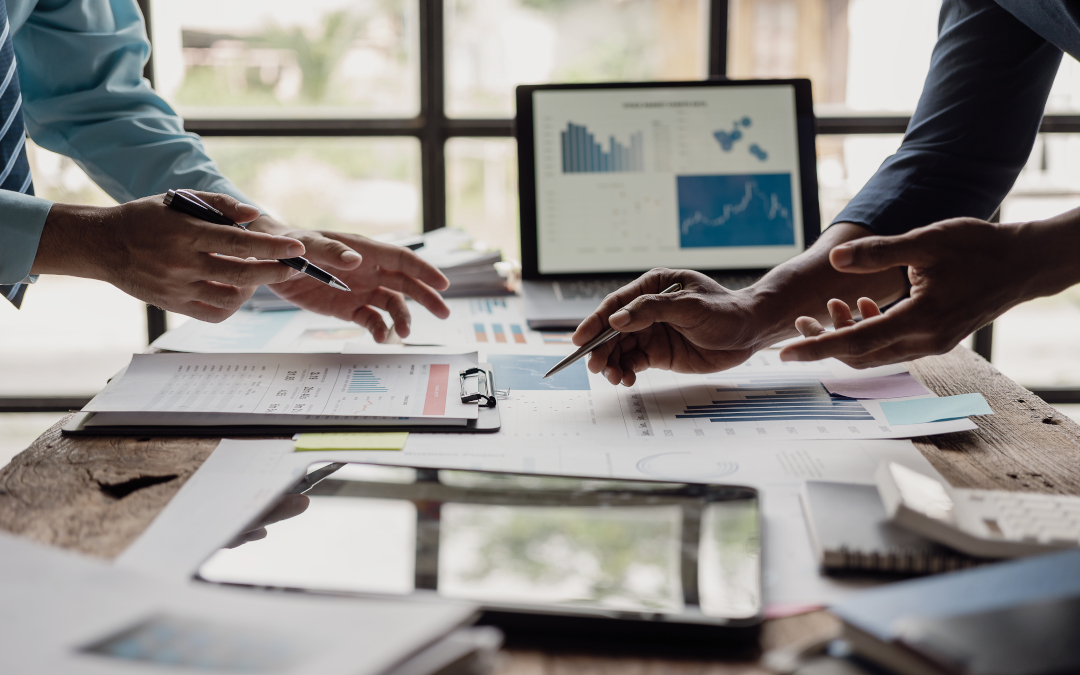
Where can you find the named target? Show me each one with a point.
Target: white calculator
(982, 523)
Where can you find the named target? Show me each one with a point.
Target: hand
(963, 272)
(700, 329)
(164, 257)
(386, 276)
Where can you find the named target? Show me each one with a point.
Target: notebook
(851, 532)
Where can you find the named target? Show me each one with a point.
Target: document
(922, 410)
(388, 386)
(899, 385)
(67, 613)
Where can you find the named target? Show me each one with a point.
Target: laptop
(717, 176)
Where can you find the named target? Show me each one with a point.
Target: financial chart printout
(692, 177)
(365, 385)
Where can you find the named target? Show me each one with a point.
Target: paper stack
(468, 265)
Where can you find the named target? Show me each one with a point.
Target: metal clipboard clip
(486, 393)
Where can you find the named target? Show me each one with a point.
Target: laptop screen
(691, 176)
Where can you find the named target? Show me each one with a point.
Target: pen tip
(338, 285)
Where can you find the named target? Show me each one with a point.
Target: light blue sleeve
(80, 68)
(21, 219)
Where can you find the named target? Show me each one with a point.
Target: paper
(391, 440)
(898, 385)
(339, 385)
(242, 477)
(245, 332)
(67, 613)
(923, 410)
(477, 321)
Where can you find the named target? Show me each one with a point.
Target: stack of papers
(66, 613)
(469, 267)
(293, 389)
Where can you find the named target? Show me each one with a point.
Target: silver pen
(603, 338)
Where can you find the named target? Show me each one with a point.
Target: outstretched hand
(963, 273)
(380, 276)
(701, 329)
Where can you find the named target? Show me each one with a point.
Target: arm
(970, 136)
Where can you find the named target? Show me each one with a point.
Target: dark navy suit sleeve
(974, 127)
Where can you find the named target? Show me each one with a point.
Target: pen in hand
(186, 201)
(603, 338)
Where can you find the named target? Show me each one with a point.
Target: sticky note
(920, 410)
(363, 440)
(884, 386)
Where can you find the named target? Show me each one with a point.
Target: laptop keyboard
(594, 289)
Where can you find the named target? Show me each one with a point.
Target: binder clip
(486, 393)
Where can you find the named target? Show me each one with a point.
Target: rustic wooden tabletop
(97, 495)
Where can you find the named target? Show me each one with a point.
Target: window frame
(433, 128)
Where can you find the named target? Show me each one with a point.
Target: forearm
(72, 241)
(1048, 252)
(803, 286)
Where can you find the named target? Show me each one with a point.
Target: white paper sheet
(290, 331)
(55, 603)
(404, 386)
(241, 478)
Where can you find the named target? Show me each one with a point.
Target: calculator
(982, 523)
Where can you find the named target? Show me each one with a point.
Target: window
(400, 114)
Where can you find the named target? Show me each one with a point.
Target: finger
(201, 311)
(868, 308)
(321, 249)
(898, 352)
(682, 310)
(240, 243)
(233, 208)
(873, 254)
(398, 259)
(840, 314)
(394, 303)
(222, 296)
(652, 281)
(373, 321)
(236, 272)
(808, 326)
(423, 294)
(863, 338)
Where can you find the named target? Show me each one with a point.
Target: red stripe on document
(437, 388)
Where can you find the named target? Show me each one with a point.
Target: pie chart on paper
(685, 466)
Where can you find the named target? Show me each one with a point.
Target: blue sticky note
(920, 410)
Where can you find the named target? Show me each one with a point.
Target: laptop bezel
(523, 131)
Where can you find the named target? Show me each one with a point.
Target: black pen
(188, 202)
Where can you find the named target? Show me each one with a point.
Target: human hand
(165, 257)
(963, 272)
(701, 329)
(386, 275)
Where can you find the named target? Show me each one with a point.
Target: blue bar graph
(765, 398)
(364, 382)
(582, 153)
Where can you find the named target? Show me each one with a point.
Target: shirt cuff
(22, 217)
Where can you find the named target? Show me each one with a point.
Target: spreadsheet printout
(362, 385)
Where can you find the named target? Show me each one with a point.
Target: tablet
(549, 558)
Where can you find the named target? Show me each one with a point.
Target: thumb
(233, 208)
(679, 309)
(873, 254)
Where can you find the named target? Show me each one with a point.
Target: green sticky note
(921, 410)
(362, 440)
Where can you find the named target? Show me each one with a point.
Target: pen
(600, 339)
(188, 202)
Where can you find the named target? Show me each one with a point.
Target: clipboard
(483, 393)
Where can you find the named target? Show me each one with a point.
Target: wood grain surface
(97, 495)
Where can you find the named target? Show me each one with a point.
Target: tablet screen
(513, 542)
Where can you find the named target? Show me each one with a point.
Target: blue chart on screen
(526, 373)
(583, 152)
(771, 398)
(735, 210)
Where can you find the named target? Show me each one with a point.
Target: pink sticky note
(885, 386)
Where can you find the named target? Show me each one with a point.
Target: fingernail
(249, 207)
(350, 256)
(619, 318)
(842, 256)
(294, 250)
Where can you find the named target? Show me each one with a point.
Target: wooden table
(97, 495)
